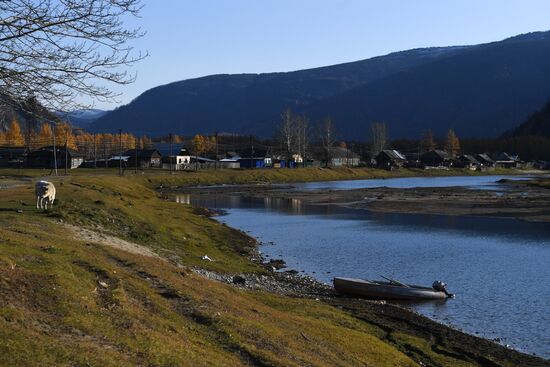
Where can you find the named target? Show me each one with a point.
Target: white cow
(45, 194)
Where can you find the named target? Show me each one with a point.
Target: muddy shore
(513, 200)
(391, 318)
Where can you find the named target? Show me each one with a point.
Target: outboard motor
(440, 286)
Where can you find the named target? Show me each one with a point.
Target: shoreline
(287, 307)
(393, 316)
(516, 199)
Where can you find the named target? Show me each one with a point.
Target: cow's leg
(37, 202)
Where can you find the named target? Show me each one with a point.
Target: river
(498, 267)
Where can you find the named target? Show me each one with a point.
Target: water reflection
(478, 226)
(498, 267)
(183, 199)
(475, 182)
(221, 201)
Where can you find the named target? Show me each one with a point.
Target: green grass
(67, 302)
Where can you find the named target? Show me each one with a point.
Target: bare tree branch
(327, 137)
(59, 50)
(378, 137)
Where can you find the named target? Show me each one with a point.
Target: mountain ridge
(251, 103)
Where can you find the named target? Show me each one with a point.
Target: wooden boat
(385, 290)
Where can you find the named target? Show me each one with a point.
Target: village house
(146, 158)
(279, 163)
(177, 161)
(13, 156)
(229, 163)
(542, 165)
(506, 160)
(485, 160)
(44, 158)
(436, 158)
(343, 157)
(254, 162)
(174, 156)
(390, 159)
(252, 157)
(467, 161)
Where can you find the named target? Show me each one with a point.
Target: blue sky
(187, 39)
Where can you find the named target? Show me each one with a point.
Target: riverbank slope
(117, 287)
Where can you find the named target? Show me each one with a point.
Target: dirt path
(88, 235)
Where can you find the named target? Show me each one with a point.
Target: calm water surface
(499, 268)
(477, 182)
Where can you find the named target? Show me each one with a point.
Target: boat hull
(381, 290)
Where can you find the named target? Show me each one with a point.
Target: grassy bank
(73, 302)
(153, 178)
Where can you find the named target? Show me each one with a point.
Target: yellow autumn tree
(203, 144)
(64, 135)
(452, 144)
(128, 141)
(14, 137)
(145, 142)
(34, 142)
(85, 144)
(106, 144)
(44, 135)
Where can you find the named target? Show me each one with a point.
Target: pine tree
(14, 137)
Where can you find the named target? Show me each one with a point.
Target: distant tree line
(295, 137)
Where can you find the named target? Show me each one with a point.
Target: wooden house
(146, 158)
(179, 159)
(436, 158)
(506, 160)
(389, 159)
(13, 156)
(254, 162)
(467, 161)
(485, 160)
(44, 158)
(343, 157)
(229, 163)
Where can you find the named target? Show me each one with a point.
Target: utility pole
(54, 150)
(252, 162)
(105, 153)
(120, 152)
(217, 153)
(171, 155)
(95, 153)
(66, 155)
(136, 156)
